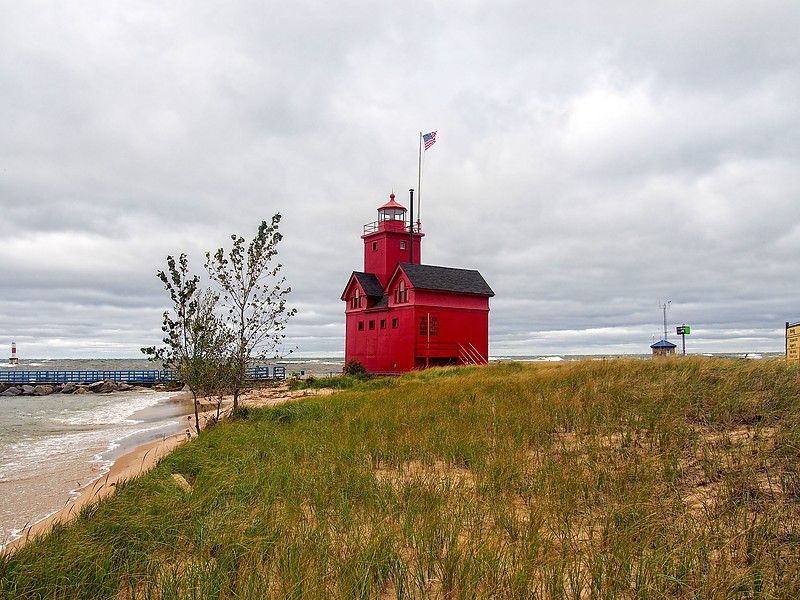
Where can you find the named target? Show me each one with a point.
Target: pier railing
(124, 376)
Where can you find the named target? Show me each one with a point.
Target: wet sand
(177, 408)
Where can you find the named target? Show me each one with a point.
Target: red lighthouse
(403, 315)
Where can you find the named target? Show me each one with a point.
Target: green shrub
(353, 367)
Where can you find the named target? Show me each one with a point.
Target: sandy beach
(138, 459)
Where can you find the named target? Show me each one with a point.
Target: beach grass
(675, 478)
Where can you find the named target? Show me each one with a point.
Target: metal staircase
(468, 355)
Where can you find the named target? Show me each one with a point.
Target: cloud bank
(593, 162)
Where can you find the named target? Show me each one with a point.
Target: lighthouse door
(428, 339)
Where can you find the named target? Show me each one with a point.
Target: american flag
(429, 139)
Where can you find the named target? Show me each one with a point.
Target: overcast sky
(594, 161)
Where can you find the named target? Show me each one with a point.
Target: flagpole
(419, 178)
(411, 229)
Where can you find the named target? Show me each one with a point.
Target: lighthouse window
(383, 323)
(361, 325)
(374, 246)
(355, 301)
(429, 326)
(372, 324)
(402, 245)
(401, 293)
(395, 323)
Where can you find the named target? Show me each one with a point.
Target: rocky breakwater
(45, 389)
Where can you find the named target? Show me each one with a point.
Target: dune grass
(589, 479)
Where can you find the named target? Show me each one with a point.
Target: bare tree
(254, 295)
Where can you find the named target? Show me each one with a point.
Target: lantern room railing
(373, 227)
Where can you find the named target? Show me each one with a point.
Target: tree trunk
(196, 414)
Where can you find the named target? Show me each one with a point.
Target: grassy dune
(592, 479)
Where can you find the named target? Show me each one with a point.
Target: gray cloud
(593, 161)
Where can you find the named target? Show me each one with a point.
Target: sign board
(683, 330)
(793, 341)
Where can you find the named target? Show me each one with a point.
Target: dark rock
(124, 387)
(107, 387)
(12, 391)
(94, 387)
(27, 390)
(43, 390)
(69, 388)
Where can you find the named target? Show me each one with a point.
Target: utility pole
(665, 306)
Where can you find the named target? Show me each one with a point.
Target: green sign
(683, 330)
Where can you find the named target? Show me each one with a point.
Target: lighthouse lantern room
(401, 314)
(387, 241)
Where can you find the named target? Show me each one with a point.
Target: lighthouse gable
(362, 291)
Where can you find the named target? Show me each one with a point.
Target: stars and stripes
(429, 139)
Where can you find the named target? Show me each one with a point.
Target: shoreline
(127, 466)
(138, 459)
(127, 457)
(176, 408)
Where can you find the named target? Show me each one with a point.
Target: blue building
(663, 348)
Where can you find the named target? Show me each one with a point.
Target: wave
(113, 409)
